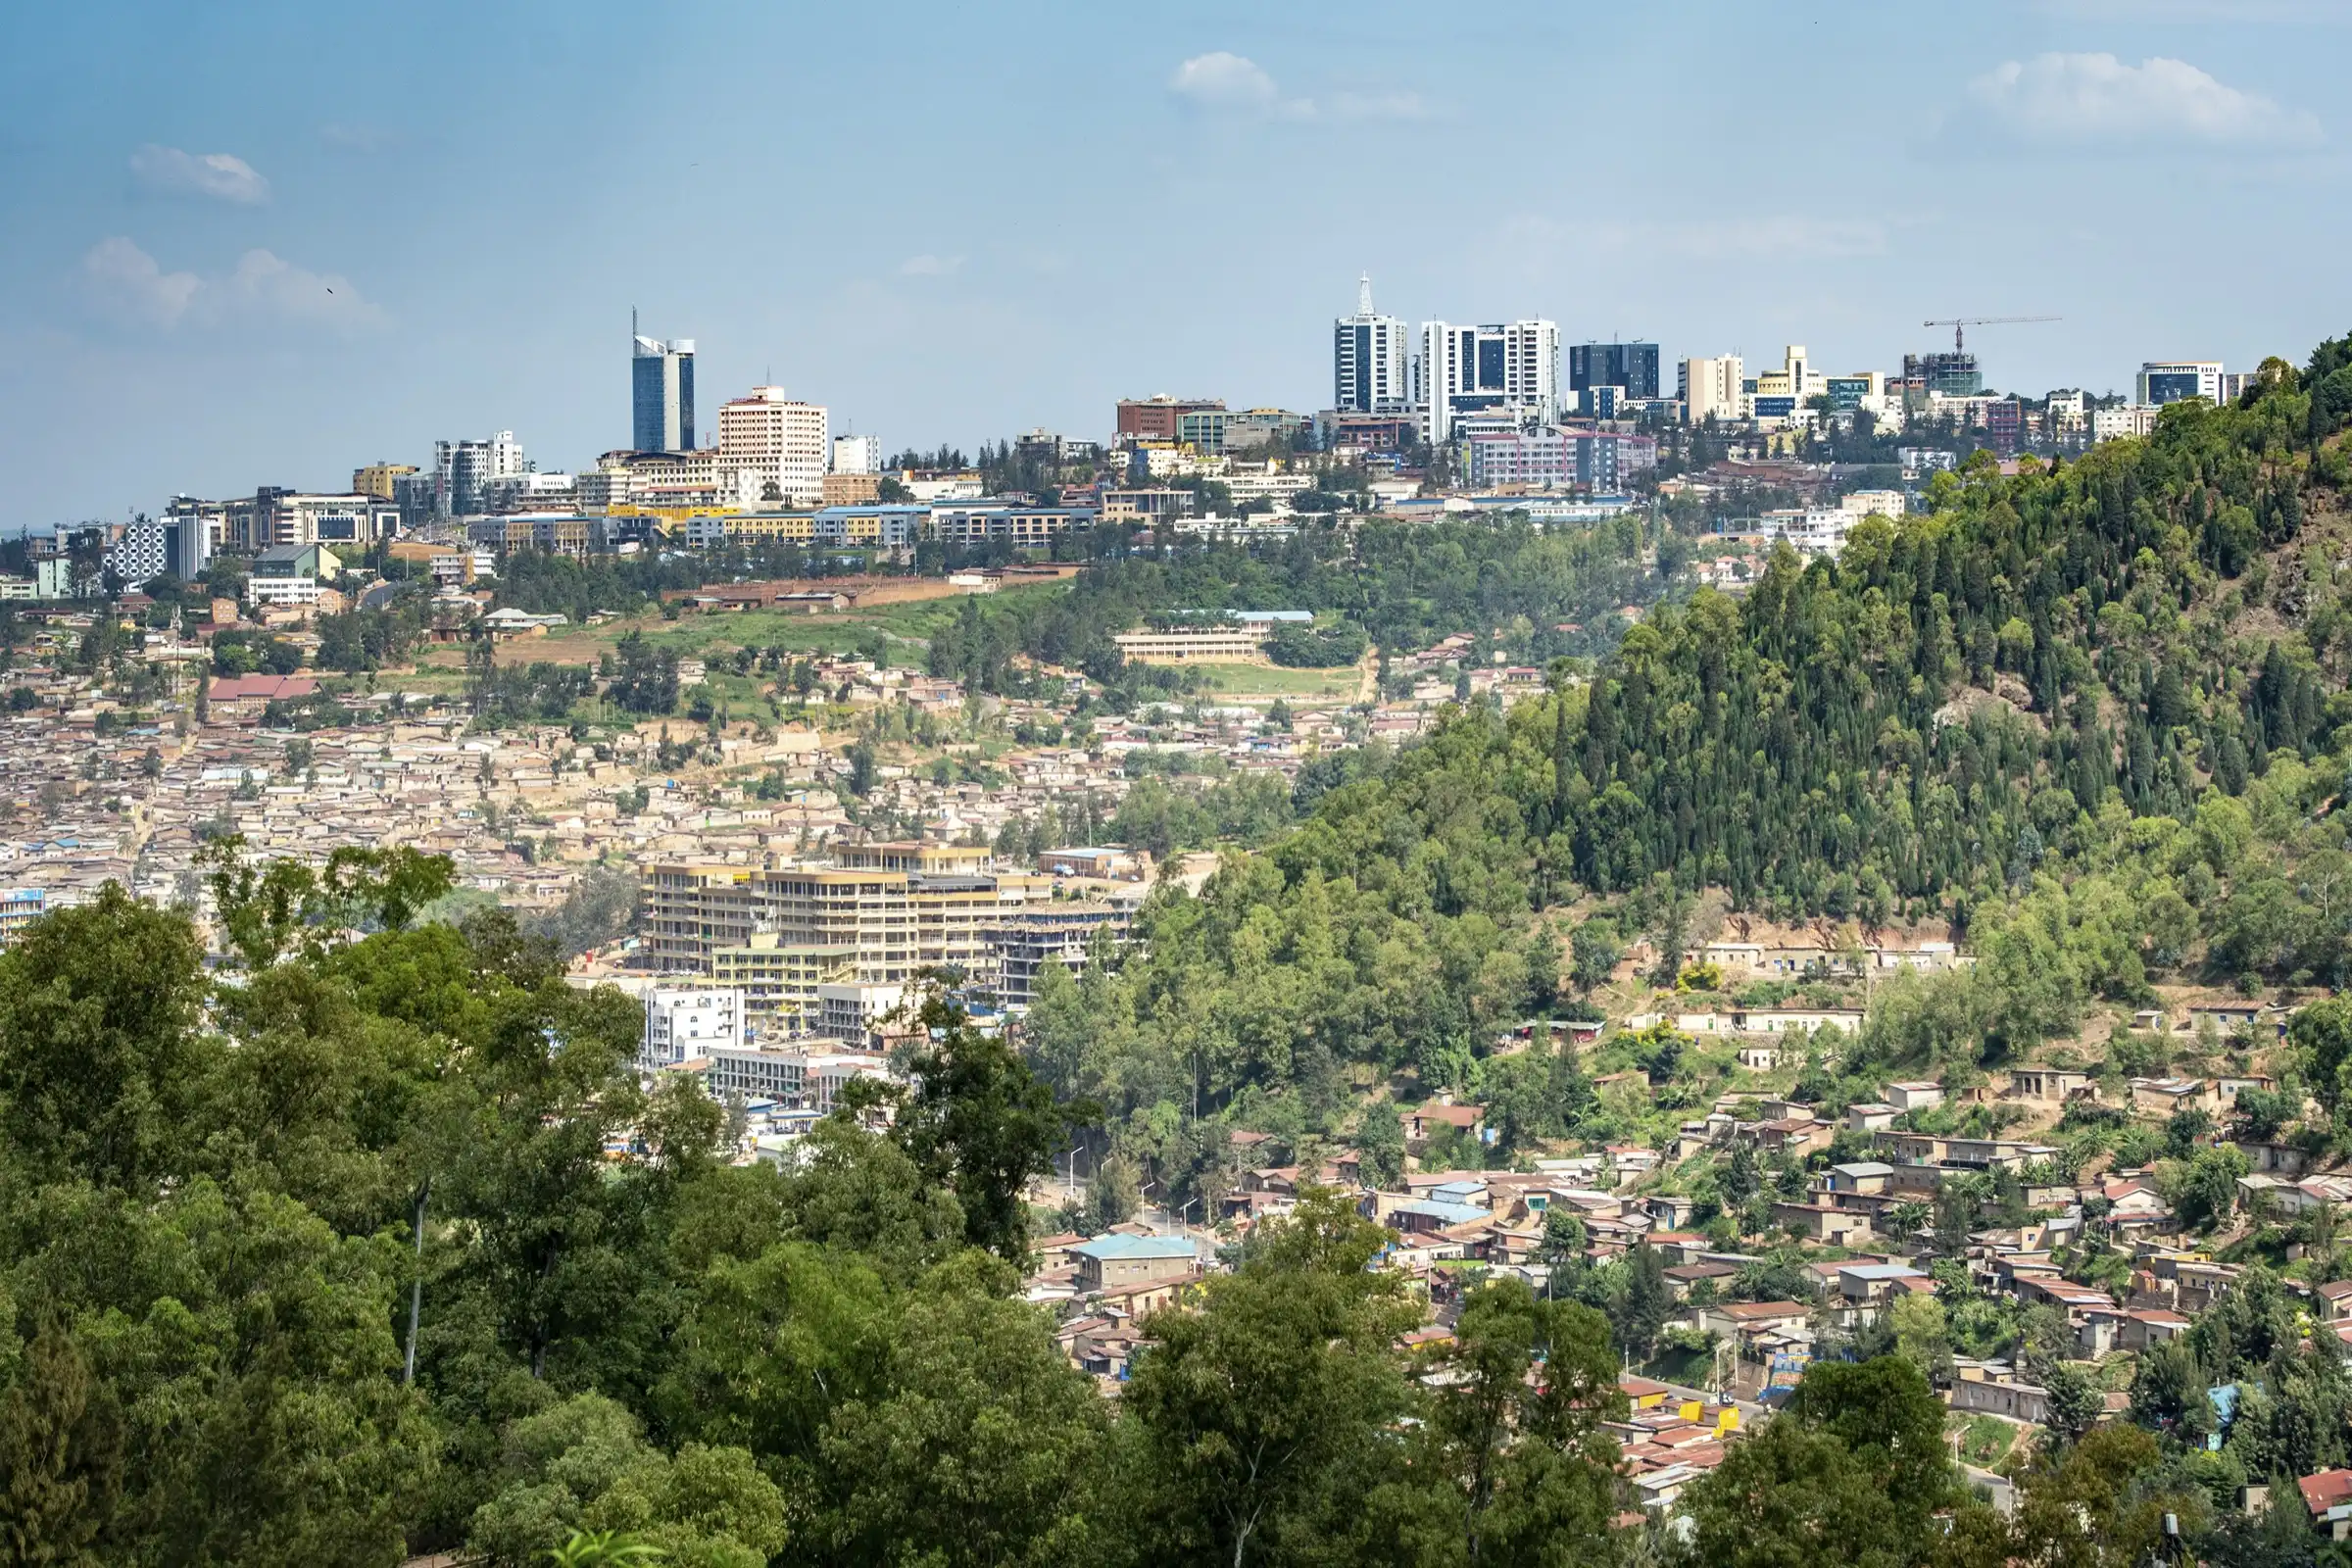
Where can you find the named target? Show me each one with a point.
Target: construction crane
(1960, 324)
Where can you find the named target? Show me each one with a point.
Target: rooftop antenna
(1363, 295)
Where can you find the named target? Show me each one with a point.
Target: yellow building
(928, 859)
(909, 908)
(376, 478)
(780, 982)
(692, 909)
(796, 527)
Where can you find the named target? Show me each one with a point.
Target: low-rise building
(687, 1022)
(1115, 1260)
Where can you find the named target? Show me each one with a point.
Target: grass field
(1274, 680)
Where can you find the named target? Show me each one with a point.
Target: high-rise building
(1468, 369)
(506, 456)
(1368, 360)
(1952, 373)
(461, 478)
(857, 454)
(780, 442)
(1711, 388)
(464, 472)
(1633, 366)
(2163, 381)
(661, 392)
(886, 913)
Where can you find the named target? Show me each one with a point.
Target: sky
(266, 243)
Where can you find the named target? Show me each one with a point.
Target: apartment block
(684, 1023)
(779, 981)
(898, 910)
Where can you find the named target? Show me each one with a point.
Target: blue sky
(266, 243)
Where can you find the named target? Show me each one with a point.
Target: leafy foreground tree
(1853, 1472)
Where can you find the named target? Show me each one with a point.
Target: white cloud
(270, 289)
(2095, 100)
(223, 177)
(126, 283)
(1226, 82)
(1236, 86)
(928, 265)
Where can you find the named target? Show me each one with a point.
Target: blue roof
(1451, 1213)
(1119, 1247)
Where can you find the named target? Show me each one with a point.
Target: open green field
(1275, 680)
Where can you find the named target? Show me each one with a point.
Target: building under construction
(1952, 373)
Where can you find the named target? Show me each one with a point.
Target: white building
(778, 441)
(857, 454)
(505, 457)
(511, 493)
(1868, 503)
(684, 1022)
(847, 1011)
(147, 547)
(1467, 370)
(1713, 388)
(1811, 530)
(2163, 381)
(1368, 360)
(279, 592)
(792, 1077)
(2114, 424)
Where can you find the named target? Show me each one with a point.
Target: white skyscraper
(781, 442)
(1466, 369)
(1368, 360)
(857, 454)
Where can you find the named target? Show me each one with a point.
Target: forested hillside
(2089, 715)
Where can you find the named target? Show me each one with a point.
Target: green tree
(1853, 1472)
(101, 1055)
(982, 1124)
(984, 1448)
(1514, 1427)
(1593, 952)
(1259, 1421)
(60, 1457)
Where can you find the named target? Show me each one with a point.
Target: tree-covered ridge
(2045, 711)
(1866, 735)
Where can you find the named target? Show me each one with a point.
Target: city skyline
(275, 292)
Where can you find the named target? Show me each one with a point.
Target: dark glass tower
(661, 392)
